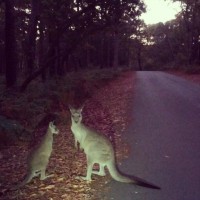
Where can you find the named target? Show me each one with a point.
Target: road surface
(165, 140)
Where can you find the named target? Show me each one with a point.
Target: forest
(51, 38)
(55, 53)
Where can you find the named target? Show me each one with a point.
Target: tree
(2, 39)
(190, 24)
(31, 37)
(55, 35)
(10, 44)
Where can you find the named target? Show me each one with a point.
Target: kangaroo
(39, 157)
(98, 149)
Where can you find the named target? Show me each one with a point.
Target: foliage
(176, 43)
(54, 37)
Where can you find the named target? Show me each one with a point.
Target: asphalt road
(164, 139)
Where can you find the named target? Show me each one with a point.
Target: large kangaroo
(98, 149)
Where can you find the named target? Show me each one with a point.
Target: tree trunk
(139, 59)
(59, 66)
(52, 67)
(108, 52)
(41, 49)
(101, 51)
(170, 47)
(2, 55)
(31, 43)
(198, 53)
(116, 50)
(10, 44)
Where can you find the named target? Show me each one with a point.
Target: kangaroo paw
(83, 178)
(45, 177)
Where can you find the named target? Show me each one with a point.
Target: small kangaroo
(39, 157)
(98, 149)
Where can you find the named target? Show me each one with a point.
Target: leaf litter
(107, 110)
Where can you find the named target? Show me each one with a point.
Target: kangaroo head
(53, 128)
(76, 115)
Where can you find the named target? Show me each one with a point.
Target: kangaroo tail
(27, 179)
(116, 175)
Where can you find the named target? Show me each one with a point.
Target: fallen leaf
(49, 187)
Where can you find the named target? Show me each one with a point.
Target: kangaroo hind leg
(43, 176)
(101, 171)
(90, 164)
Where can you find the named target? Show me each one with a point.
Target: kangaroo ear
(50, 124)
(81, 108)
(71, 109)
